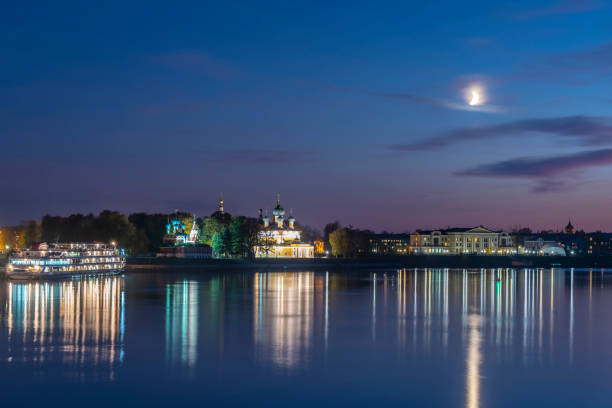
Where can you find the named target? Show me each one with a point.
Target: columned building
(454, 241)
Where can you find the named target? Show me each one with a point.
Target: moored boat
(66, 259)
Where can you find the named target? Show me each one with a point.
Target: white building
(478, 240)
(541, 247)
(281, 239)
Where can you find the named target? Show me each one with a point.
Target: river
(425, 337)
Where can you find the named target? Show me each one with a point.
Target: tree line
(142, 233)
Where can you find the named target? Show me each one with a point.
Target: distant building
(478, 240)
(599, 243)
(541, 247)
(571, 241)
(389, 244)
(176, 232)
(280, 238)
(183, 242)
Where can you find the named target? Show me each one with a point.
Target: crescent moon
(475, 98)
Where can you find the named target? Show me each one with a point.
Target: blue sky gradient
(143, 106)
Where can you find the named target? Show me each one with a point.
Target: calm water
(452, 338)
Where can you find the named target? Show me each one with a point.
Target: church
(280, 238)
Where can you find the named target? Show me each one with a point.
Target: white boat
(69, 259)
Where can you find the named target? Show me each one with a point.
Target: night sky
(353, 111)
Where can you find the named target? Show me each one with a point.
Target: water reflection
(517, 305)
(283, 309)
(476, 330)
(182, 322)
(473, 362)
(527, 314)
(81, 323)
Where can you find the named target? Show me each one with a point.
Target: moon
(475, 99)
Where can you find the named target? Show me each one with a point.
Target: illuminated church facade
(280, 238)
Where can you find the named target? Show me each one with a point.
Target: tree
(349, 242)
(114, 226)
(217, 244)
(211, 226)
(226, 237)
(223, 217)
(244, 236)
(237, 240)
(188, 223)
(222, 243)
(309, 234)
(20, 240)
(106, 227)
(329, 228)
(31, 233)
(251, 236)
(11, 237)
(152, 226)
(339, 241)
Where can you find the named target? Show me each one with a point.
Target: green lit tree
(244, 236)
(222, 243)
(217, 245)
(226, 237)
(212, 225)
(236, 228)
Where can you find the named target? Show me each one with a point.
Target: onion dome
(278, 210)
(291, 218)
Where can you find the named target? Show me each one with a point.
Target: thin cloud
(548, 172)
(585, 130)
(541, 167)
(199, 62)
(563, 8)
(550, 186)
(415, 99)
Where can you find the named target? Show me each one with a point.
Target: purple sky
(351, 111)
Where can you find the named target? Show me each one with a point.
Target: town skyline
(267, 211)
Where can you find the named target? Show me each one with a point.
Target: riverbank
(412, 261)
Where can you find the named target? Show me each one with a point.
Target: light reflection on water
(475, 328)
(182, 322)
(283, 317)
(78, 322)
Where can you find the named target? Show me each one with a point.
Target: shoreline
(141, 264)
(410, 261)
